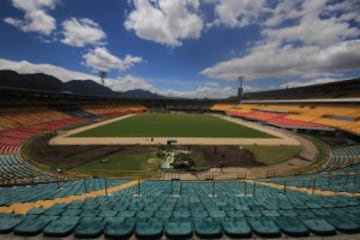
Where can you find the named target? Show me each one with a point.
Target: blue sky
(186, 48)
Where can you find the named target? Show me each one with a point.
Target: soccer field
(173, 125)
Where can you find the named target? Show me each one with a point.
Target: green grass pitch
(173, 125)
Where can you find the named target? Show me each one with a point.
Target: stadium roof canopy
(320, 100)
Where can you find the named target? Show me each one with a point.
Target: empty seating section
(222, 107)
(256, 115)
(344, 117)
(344, 179)
(11, 140)
(182, 210)
(342, 156)
(53, 190)
(281, 121)
(13, 167)
(17, 127)
(114, 111)
(277, 119)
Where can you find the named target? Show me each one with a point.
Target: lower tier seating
(182, 210)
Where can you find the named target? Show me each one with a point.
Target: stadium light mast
(240, 89)
(102, 75)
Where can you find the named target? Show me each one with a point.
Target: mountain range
(44, 82)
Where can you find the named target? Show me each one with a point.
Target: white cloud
(299, 38)
(201, 92)
(36, 19)
(235, 13)
(101, 60)
(285, 10)
(312, 28)
(270, 60)
(165, 22)
(81, 32)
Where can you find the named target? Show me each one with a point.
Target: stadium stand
(223, 107)
(302, 116)
(317, 204)
(342, 156)
(12, 167)
(182, 210)
(114, 111)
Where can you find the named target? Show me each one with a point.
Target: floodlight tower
(240, 89)
(102, 75)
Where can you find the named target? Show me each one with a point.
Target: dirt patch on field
(69, 157)
(231, 156)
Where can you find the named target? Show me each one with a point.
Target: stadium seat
(178, 230)
(89, 227)
(119, 229)
(61, 227)
(237, 228)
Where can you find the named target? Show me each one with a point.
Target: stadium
(179, 119)
(92, 167)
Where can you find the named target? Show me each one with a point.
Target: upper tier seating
(222, 107)
(344, 117)
(114, 110)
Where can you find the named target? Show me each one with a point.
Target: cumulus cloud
(313, 27)
(165, 22)
(36, 19)
(299, 38)
(235, 13)
(81, 32)
(270, 60)
(101, 60)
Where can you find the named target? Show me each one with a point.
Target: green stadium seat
(343, 223)
(264, 227)
(208, 229)
(61, 227)
(32, 225)
(90, 213)
(178, 230)
(71, 212)
(149, 230)
(237, 228)
(54, 211)
(89, 227)
(292, 226)
(35, 211)
(8, 222)
(116, 229)
(127, 213)
(319, 226)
